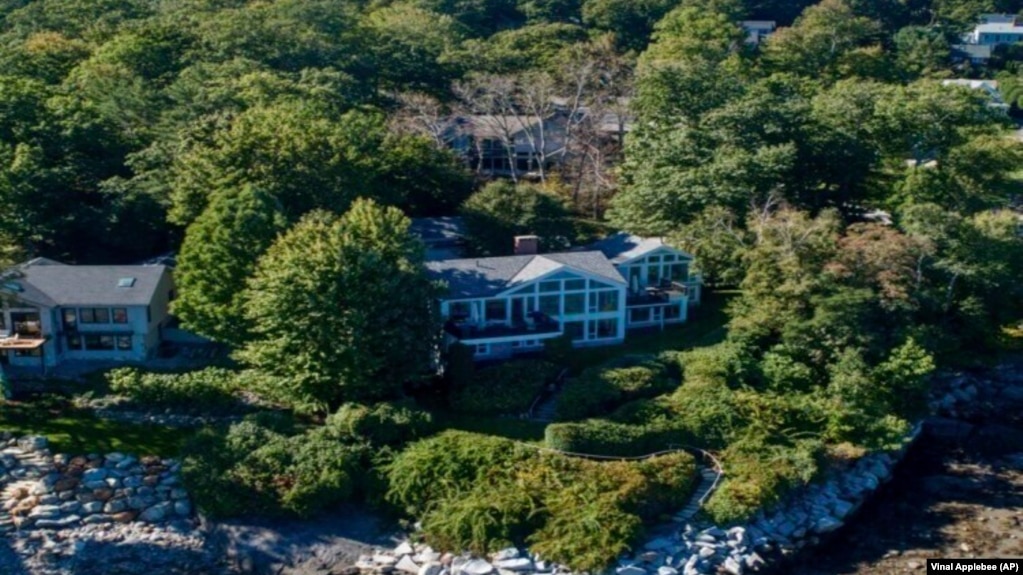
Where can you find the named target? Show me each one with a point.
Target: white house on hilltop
(995, 29)
(52, 312)
(501, 306)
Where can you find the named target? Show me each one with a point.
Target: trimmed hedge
(508, 388)
(601, 389)
(208, 391)
(483, 493)
(603, 437)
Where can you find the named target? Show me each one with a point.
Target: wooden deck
(21, 343)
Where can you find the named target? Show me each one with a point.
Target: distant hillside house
(758, 30)
(972, 53)
(988, 87)
(53, 312)
(523, 145)
(502, 306)
(995, 29)
(507, 145)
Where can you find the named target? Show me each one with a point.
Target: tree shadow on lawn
(335, 538)
(76, 431)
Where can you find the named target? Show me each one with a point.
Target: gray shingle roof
(622, 247)
(484, 277)
(51, 283)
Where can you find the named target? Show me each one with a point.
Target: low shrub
(482, 493)
(601, 389)
(603, 437)
(758, 475)
(208, 391)
(707, 411)
(380, 424)
(505, 388)
(251, 469)
(431, 470)
(494, 514)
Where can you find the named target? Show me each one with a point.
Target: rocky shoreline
(769, 538)
(112, 513)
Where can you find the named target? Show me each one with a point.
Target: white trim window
(482, 349)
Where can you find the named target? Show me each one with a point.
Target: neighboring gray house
(502, 306)
(972, 53)
(53, 312)
(988, 87)
(444, 237)
(506, 145)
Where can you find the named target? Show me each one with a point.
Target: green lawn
(706, 326)
(77, 432)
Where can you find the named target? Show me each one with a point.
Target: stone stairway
(708, 477)
(546, 410)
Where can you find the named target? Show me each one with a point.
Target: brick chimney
(527, 245)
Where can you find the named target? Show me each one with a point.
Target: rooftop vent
(126, 282)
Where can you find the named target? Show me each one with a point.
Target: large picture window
(575, 330)
(574, 285)
(607, 328)
(70, 318)
(550, 304)
(98, 342)
(575, 303)
(604, 301)
(497, 310)
(26, 323)
(94, 315)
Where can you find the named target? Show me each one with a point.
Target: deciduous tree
(341, 309)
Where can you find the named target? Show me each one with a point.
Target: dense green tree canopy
(502, 210)
(340, 309)
(219, 253)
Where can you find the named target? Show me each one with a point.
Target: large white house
(52, 312)
(501, 306)
(995, 29)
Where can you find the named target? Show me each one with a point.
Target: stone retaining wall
(810, 514)
(43, 491)
(64, 515)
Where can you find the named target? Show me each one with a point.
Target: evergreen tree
(218, 255)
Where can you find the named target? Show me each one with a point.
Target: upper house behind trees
(502, 306)
(53, 312)
(522, 145)
(995, 29)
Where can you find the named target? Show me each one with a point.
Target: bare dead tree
(424, 115)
